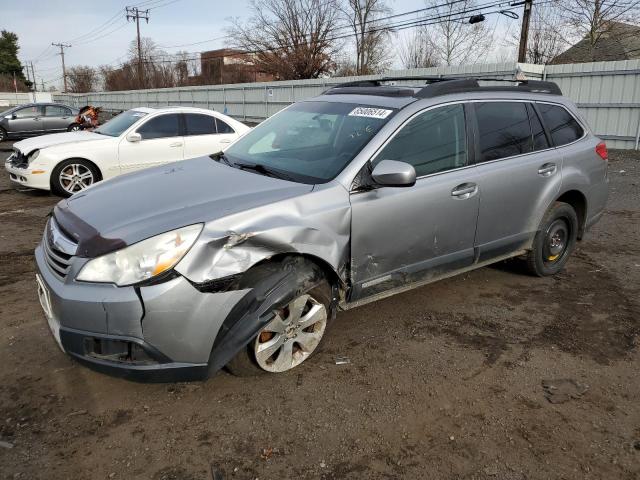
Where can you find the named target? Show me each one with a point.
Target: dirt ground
(444, 382)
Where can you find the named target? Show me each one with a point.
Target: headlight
(33, 155)
(142, 260)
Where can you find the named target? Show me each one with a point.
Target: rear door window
(56, 111)
(503, 129)
(563, 127)
(198, 124)
(163, 126)
(540, 141)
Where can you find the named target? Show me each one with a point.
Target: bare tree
(369, 33)
(417, 51)
(595, 20)
(82, 79)
(454, 40)
(545, 35)
(290, 39)
(160, 69)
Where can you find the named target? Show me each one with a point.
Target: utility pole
(64, 71)
(134, 14)
(33, 75)
(524, 33)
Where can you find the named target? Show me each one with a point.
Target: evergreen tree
(9, 63)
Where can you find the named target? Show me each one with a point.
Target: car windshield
(120, 123)
(309, 142)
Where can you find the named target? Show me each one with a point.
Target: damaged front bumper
(25, 177)
(161, 332)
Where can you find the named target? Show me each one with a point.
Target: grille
(59, 262)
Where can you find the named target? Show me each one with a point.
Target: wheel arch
(332, 276)
(578, 201)
(99, 170)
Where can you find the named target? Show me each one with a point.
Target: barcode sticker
(370, 112)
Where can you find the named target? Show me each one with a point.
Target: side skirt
(410, 286)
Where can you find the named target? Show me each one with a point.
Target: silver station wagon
(243, 258)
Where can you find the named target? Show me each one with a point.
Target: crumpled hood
(44, 141)
(132, 207)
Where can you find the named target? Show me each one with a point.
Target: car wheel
(291, 336)
(3, 134)
(555, 240)
(72, 176)
(74, 127)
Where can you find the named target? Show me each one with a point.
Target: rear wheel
(292, 335)
(72, 176)
(74, 127)
(555, 240)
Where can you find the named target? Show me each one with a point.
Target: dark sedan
(37, 119)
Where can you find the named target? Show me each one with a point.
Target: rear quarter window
(563, 127)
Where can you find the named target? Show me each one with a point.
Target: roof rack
(437, 86)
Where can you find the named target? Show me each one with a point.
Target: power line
(403, 25)
(99, 28)
(119, 27)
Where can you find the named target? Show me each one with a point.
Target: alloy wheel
(75, 177)
(292, 335)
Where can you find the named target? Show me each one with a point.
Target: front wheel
(74, 127)
(291, 336)
(554, 241)
(72, 176)
(3, 134)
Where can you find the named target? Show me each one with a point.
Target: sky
(38, 23)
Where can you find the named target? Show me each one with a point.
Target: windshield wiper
(221, 157)
(263, 170)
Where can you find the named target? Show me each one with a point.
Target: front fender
(316, 224)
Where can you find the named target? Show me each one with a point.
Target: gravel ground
(447, 381)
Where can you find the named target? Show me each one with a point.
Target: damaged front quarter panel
(316, 224)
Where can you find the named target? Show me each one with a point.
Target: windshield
(310, 142)
(120, 123)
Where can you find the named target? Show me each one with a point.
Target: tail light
(601, 150)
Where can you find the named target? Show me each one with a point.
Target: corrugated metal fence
(608, 94)
(12, 98)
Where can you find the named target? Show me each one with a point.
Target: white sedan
(67, 163)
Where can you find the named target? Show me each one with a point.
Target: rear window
(563, 127)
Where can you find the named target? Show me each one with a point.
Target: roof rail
(436, 86)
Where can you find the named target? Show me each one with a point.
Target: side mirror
(11, 116)
(391, 173)
(134, 137)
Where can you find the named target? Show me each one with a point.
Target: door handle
(464, 190)
(175, 144)
(547, 169)
(225, 140)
